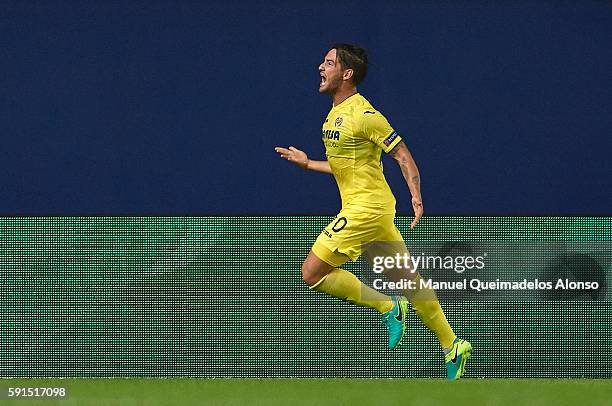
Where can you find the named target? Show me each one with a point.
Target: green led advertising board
(223, 297)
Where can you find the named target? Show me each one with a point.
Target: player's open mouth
(323, 80)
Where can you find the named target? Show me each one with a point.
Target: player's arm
(411, 174)
(301, 159)
(377, 129)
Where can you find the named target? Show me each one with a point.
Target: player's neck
(342, 94)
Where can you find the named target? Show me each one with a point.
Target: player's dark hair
(353, 57)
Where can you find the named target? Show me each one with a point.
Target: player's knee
(309, 275)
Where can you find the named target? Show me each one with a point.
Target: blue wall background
(174, 107)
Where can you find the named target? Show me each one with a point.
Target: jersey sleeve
(377, 129)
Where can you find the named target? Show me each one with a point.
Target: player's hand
(417, 206)
(294, 155)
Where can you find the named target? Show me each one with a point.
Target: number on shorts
(339, 224)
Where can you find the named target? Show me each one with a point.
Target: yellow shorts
(343, 239)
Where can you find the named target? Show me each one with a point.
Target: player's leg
(337, 244)
(425, 304)
(337, 282)
(424, 301)
(427, 307)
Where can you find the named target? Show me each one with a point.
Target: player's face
(331, 73)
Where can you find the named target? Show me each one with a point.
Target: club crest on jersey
(338, 122)
(390, 138)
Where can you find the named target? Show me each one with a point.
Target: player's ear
(348, 74)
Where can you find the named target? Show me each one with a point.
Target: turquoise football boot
(395, 319)
(456, 359)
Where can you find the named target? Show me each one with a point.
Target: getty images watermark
(478, 269)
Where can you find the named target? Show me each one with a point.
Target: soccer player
(354, 135)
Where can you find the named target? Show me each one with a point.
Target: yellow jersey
(355, 134)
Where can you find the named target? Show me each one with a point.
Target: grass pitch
(352, 392)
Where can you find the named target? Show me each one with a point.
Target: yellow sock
(430, 312)
(426, 306)
(346, 286)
